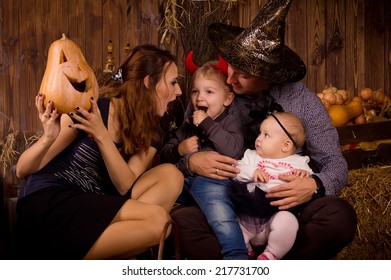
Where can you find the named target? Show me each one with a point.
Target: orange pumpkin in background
(68, 79)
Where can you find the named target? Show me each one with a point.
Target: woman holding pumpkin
(88, 192)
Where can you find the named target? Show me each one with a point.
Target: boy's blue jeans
(212, 197)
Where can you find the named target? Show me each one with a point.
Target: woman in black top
(88, 192)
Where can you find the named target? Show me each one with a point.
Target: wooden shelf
(355, 134)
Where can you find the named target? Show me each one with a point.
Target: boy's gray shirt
(223, 134)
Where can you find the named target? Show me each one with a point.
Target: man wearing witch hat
(263, 70)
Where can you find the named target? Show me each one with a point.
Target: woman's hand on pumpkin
(90, 121)
(49, 117)
(294, 192)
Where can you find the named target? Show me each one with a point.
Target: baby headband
(283, 128)
(118, 77)
(191, 67)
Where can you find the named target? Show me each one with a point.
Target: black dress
(63, 208)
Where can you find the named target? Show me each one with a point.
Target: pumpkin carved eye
(63, 58)
(79, 86)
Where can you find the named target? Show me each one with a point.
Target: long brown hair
(138, 119)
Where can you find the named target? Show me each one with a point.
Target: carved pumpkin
(68, 80)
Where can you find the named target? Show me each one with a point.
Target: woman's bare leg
(160, 185)
(136, 227)
(139, 224)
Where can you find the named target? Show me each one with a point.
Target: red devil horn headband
(191, 67)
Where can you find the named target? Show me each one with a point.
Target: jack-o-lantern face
(68, 80)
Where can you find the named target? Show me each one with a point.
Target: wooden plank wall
(343, 42)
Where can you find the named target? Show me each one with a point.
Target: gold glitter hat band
(259, 50)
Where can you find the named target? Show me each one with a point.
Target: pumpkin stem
(63, 36)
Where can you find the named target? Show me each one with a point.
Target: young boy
(210, 128)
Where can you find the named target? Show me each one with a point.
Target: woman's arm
(124, 174)
(141, 161)
(57, 135)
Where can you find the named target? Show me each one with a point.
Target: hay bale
(12, 146)
(369, 192)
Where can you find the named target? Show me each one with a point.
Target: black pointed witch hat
(259, 50)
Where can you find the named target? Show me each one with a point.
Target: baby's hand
(188, 145)
(260, 176)
(301, 173)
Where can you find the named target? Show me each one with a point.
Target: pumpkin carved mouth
(81, 87)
